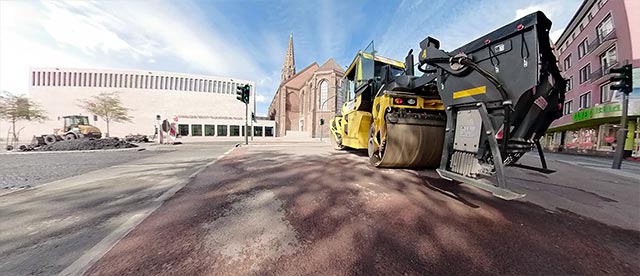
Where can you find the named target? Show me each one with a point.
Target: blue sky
(241, 38)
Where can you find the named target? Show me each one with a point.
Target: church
(305, 97)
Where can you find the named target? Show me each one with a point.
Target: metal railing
(597, 74)
(599, 40)
(602, 71)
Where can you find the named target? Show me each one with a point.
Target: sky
(239, 38)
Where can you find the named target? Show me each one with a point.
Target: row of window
(584, 101)
(602, 30)
(221, 130)
(117, 80)
(607, 59)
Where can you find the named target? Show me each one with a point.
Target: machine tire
(374, 153)
(69, 137)
(9, 148)
(338, 142)
(50, 139)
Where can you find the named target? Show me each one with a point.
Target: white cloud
(163, 36)
(555, 35)
(526, 11)
(460, 26)
(260, 98)
(88, 32)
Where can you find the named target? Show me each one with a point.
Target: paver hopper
(501, 93)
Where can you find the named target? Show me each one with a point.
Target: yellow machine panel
(399, 128)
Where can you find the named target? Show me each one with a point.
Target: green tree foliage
(107, 106)
(15, 108)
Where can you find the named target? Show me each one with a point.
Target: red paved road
(304, 209)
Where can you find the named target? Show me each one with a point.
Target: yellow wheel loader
(388, 114)
(75, 127)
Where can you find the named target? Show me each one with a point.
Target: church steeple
(289, 65)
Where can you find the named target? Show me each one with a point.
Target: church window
(324, 90)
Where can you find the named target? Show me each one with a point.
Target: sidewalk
(306, 209)
(629, 169)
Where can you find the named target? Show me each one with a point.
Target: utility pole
(253, 118)
(623, 83)
(246, 125)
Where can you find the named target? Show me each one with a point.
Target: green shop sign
(601, 111)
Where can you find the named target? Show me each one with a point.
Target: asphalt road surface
(66, 225)
(304, 209)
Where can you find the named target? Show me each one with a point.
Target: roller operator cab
(401, 124)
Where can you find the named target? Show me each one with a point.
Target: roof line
(573, 23)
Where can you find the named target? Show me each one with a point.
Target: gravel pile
(136, 138)
(88, 144)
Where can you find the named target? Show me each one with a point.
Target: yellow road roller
(388, 113)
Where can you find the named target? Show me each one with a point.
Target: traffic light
(321, 121)
(243, 92)
(240, 93)
(253, 116)
(247, 92)
(621, 81)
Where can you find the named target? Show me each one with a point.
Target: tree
(15, 108)
(108, 107)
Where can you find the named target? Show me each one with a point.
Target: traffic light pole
(622, 82)
(243, 94)
(621, 138)
(246, 125)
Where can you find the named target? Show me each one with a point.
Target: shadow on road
(352, 219)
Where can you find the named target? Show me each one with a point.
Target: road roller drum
(404, 143)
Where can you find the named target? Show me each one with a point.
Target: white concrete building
(206, 106)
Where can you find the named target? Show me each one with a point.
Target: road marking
(82, 264)
(89, 258)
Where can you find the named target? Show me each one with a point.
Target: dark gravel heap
(88, 144)
(136, 138)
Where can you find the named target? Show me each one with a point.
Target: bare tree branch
(107, 106)
(15, 108)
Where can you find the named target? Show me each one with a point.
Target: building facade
(305, 98)
(601, 35)
(205, 106)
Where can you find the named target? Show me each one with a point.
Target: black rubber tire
(9, 147)
(50, 139)
(374, 156)
(69, 137)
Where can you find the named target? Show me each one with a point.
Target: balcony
(602, 72)
(602, 42)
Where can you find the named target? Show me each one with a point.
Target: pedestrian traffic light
(621, 80)
(321, 121)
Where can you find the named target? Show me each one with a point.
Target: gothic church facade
(305, 97)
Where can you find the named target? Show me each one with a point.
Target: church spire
(289, 65)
